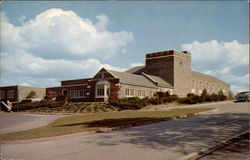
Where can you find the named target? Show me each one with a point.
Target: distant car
(243, 96)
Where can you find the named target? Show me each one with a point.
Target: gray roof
(136, 70)
(206, 77)
(159, 81)
(133, 79)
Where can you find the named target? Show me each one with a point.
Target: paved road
(237, 148)
(11, 122)
(165, 140)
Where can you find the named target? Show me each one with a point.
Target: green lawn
(95, 121)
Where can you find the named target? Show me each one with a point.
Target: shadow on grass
(118, 122)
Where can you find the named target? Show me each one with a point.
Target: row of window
(100, 90)
(210, 88)
(10, 94)
(140, 93)
(76, 93)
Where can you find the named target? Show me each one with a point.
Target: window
(143, 94)
(139, 93)
(150, 94)
(207, 87)
(10, 94)
(200, 85)
(129, 92)
(100, 91)
(2, 94)
(193, 84)
(64, 92)
(76, 93)
(81, 93)
(108, 91)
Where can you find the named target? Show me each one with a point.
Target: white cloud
(136, 64)
(228, 61)
(25, 84)
(56, 33)
(57, 45)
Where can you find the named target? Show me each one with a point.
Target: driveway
(11, 122)
(165, 140)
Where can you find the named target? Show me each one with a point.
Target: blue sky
(42, 49)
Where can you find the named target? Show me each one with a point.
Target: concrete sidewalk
(174, 106)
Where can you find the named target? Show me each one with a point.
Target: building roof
(133, 79)
(74, 82)
(158, 81)
(206, 77)
(136, 70)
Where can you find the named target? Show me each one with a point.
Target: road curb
(213, 110)
(211, 148)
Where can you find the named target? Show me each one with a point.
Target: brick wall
(21, 92)
(172, 66)
(210, 83)
(5, 91)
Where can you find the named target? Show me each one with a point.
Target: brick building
(163, 71)
(17, 94)
(166, 71)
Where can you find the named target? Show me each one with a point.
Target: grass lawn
(95, 121)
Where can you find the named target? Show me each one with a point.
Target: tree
(205, 95)
(114, 89)
(32, 94)
(50, 95)
(221, 96)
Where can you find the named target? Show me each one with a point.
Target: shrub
(62, 99)
(31, 105)
(204, 97)
(191, 99)
(153, 100)
(130, 103)
(164, 97)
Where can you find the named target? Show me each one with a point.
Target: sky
(43, 43)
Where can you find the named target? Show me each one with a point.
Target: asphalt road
(168, 140)
(11, 122)
(237, 148)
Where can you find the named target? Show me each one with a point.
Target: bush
(164, 97)
(191, 99)
(133, 103)
(204, 97)
(62, 98)
(31, 105)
